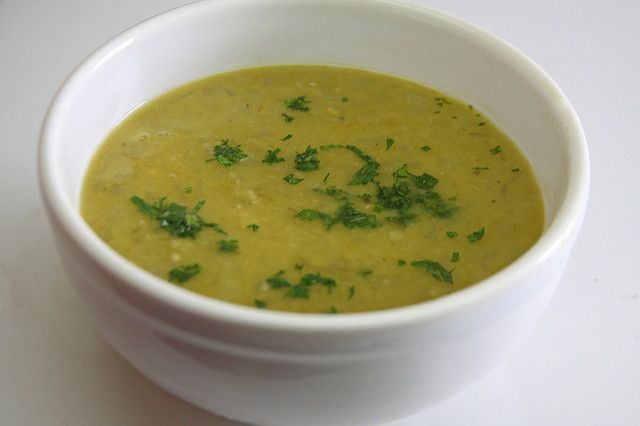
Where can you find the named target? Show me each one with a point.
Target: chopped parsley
(230, 246)
(478, 169)
(227, 155)
(452, 234)
(337, 193)
(287, 117)
(188, 189)
(183, 273)
(260, 304)
(496, 150)
(299, 266)
(435, 269)
(325, 178)
(175, 218)
(254, 227)
(300, 289)
(292, 179)
(352, 292)
(298, 104)
(401, 262)
(482, 123)
(426, 148)
(365, 272)
(276, 280)
(390, 142)
(272, 157)
(515, 170)
(333, 310)
(455, 256)
(475, 236)
(286, 138)
(344, 99)
(311, 214)
(307, 160)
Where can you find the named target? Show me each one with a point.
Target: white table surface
(579, 366)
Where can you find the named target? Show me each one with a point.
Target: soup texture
(313, 189)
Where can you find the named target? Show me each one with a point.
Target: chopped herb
(286, 138)
(365, 272)
(515, 170)
(435, 269)
(337, 193)
(310, 214)
(476, 236)
(365, 197)
(345, 99)
(442, 100)
(352, 292)
(276, 280)
(272, 156)
(183, 273)
(307, 160)
(477, 170)
(188, 189)
(292, 179)
(496, 150)
(175, 218)
(325, 178)
(426, 148)
(333, 310)
(260, 304)
(367, 172)
(455, 256)
(401, 262)
(228, 155)
(452, 234)
(390, 142)
(482, 123)
(254, 227)
(310, 279)
(287, 117)
(299, 291)
(299, 266)
(298, 104)
(230, 246)
(352, 218)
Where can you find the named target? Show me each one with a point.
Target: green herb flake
(228, 155)
(435, 269)
(496, 150)
(307, 160)
(325, 178)
(401, 262)
(286, 138)
(455, 256)
(352, 218)
(452, 234)
(475, 236)
(230, 246)
(299, 266)
(390, 142)
(482, 123)
(183, 273)
(276, 280)
(254, 227)
(515, 170)
(311, 279)
(311, 214)
(298, 104)
(478, 169)
(272, 157)
(352, 292)
(175, 218)
(344, 99)
(260, 304)
(287, 117)
(333, 310)
(298, 291)
(188, 189)
(426, 148)
(365, 272)
(292, 179)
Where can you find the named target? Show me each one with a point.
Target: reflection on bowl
(280, 368)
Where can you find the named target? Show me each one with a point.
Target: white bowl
(281, 368)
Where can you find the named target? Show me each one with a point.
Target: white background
(580, 365)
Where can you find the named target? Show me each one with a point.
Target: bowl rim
(559, 232)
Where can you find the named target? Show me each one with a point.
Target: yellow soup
(313, 189)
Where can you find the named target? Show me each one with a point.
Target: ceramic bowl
(291, 369)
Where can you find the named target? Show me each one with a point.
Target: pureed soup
(313, 189)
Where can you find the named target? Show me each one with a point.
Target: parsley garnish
(455, 256)
(475, 236)
(228, 155)
(292, 179)
(298, 104)
(175, 218)
(365, 272)
(254, 227)
(333, 310)
(344, 99)
(272, 156)
(260, 304)
(426, 148)
(435, 269)
(401, 262)
(496, 150)
(352, 292)
(299, 266)
(390, 142)
(310, 214)
(228, 245)
(286, 138)
(287, 117)
(307, 160)
(368, 172)
(477, 170)
(452, 234)
(276, 280)
(188, 189)
(515, 170)
(482, 123)
(301, 289)
(183, 273)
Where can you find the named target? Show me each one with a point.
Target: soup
(313, 189)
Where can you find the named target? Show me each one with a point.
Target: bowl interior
(394, 38)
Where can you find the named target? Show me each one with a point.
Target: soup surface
(313, 189)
